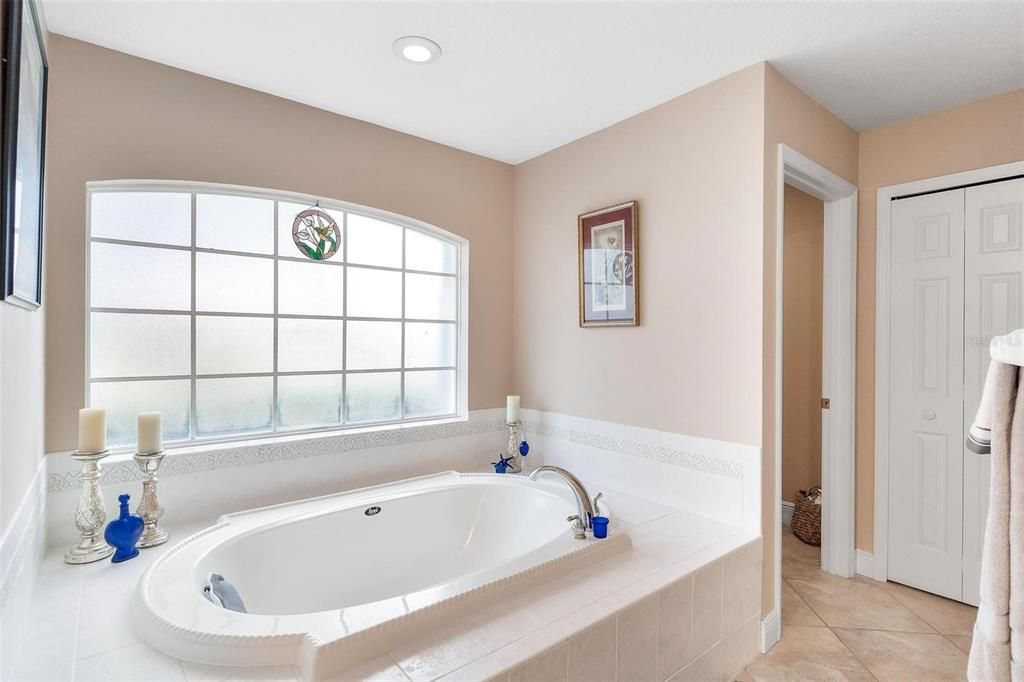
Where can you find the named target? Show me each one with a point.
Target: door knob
(928, 414)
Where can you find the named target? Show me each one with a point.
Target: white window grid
(460, 323)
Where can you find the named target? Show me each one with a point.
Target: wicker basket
(807, 519)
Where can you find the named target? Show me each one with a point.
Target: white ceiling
(519, 79)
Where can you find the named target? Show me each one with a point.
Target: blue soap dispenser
(123, 532)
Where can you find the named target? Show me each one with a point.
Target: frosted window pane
(226, 406)
(429, 393)
(234, 284)
(125, 345)
(155, 217)
(309, 345)
(234, 223)
(286, 212)
(374, 345)
(373, 397)
(374, 293)
(234, 345)
(374, 242)
(123, 400)
(140, 277)
(429, 297)
(309, 288)
(429, 345)
(423, 252)
(307, 401)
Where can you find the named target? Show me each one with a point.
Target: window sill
(367, 437)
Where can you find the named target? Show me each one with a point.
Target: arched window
(239, 312)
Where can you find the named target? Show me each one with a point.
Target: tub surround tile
(48, 649)
(592, 654)
(196, 672)
(669, 545)
(444, 650)
(498, 625)
(105, 621)
(129, 664)
(22, 547)
(707, 606)
(551, 666)
(637, 643)
(723, 661)
(718, 479)
(675, 628)
(741, 596)
(897, 656)
(380, 669)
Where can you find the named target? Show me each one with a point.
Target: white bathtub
(330, 581)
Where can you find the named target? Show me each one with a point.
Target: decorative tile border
(188, 462)
(623, 446)
(480, 421)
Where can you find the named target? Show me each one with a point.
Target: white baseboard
(866, 564)
(787, 512)
(770, 631)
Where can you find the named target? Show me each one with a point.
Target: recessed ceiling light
(417, 49)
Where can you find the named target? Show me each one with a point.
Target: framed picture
(608, 266)
(21, 159)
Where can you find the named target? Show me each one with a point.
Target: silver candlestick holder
(90, 516)
(149, 507)
(515, 466)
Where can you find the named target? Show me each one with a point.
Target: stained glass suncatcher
(316, 234)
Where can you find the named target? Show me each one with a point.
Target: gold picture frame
(608, 262)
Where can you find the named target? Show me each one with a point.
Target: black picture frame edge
(11, 75)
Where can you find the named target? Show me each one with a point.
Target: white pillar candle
(92, 429)
(512, 408)
(151, 437)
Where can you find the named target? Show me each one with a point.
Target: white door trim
(883, 231)
(838, 357)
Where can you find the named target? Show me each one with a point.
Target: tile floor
(860, 629)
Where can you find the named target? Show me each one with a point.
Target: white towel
(997, 652)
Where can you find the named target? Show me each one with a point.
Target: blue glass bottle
(123, 532)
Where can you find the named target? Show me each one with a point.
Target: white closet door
(926, 381)
(994, 293)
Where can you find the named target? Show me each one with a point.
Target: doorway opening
(838, 343)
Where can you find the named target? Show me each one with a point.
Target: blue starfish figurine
(501, 466)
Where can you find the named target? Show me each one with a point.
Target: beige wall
(984, 133)
(804, 247)
(113, 116)
(793, 118)
(695, 165)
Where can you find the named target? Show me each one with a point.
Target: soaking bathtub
(330, 581)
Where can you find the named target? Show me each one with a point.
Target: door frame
(883, 234)
(839, 315)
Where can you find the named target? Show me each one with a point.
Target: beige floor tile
(857, 604)
(795, 610)
(799, 560)
(807, 653)
(948, 617)
(962, 642)
(900, 656)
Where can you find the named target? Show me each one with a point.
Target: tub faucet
(586, 509)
